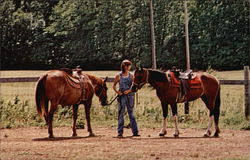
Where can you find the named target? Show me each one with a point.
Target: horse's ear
(136, 67)
(105, 80)
(141, 68)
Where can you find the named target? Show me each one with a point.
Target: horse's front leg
(175, 119)
(75, 110)
(211, 116)
(163, 131)
(87, 106)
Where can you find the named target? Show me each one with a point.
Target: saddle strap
(77, 81)
(82, 98)
(183, 90)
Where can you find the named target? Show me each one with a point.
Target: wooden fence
(245, 82)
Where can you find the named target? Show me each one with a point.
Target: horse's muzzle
(104, 101)
(134, 88)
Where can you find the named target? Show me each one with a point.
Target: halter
(101, 91)
(142, 84)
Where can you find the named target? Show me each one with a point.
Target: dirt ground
(32, 143)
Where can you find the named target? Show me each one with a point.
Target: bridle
(140, 85)
(103, 88)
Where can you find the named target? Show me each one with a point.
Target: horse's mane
(157, 75)
(94, 79)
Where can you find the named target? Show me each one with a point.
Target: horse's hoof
(176, 135)
(162, 134)
(51, 136)
(74, 135)
(216, 135)
(206, 135)
(91, 135)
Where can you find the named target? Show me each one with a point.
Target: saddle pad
(193, 83)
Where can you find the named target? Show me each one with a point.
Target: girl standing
(126, 97)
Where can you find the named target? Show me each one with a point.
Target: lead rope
(136, 97)
(113, 100)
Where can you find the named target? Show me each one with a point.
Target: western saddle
(76, 79)
(183, 77)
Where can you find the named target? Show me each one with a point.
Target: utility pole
(152, 33)
(186, 36)
(186, 107)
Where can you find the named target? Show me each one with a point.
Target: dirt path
(31, 143)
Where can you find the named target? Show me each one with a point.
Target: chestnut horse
(59, 87)
(208, 90)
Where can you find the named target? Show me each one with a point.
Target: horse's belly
(194, 94)
(71, 98)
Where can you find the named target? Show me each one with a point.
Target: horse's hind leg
(46, 105)
(210, 124)
(53, 107)
(163, 131)
(217, 114)
(75, 109)
(211, 116)
(87, 106)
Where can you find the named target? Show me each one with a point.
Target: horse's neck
(94, 79)
(153, 81)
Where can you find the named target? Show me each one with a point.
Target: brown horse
(59, 87)
(207, 88)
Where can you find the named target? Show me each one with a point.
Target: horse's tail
(217, 107)
(40, 96)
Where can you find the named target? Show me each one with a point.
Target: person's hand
(127, 91)
(119, 93)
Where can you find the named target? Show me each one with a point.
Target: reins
(113, 100)
(101, 93)
(136, 97)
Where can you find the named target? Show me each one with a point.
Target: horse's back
(210, 83)
(208, 78)
(54, 84)
(60, 89)
(55, 73)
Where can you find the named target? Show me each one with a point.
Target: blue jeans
(123, 102)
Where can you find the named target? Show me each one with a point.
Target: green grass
(17, 106)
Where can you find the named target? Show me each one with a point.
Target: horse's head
(140, 78)
(101, 91)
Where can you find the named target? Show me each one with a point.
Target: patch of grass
(17, 113)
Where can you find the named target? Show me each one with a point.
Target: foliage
(99, 34)
(17, 114)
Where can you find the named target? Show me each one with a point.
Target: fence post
(247, 91)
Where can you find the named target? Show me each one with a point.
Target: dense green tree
(100, 34)
(219, 33)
